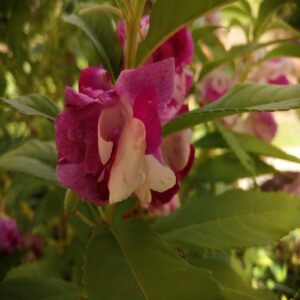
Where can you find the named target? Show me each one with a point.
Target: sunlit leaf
(234, 219)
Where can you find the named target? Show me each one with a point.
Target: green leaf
(7, 261)
(237, 148)
(99, 28)
(227, 168)
(178, 15)
(39, 289)
(232, 286)
(34, 105)
(242, 98)
(130, 262)
(36, 158)
(288, 50)
(249, 143)
(234, 219)
(266, 10)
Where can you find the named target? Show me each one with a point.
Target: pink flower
(10, 236)
(180, 46)
(109, 136)
(260, 124)
(215, 85)
(163, 210)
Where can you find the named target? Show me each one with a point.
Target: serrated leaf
(242, 98)
(249, 143)
(234, 219)
(36, 158)
(130, 262)
(179, 15)
(39, 289)
(34, 105)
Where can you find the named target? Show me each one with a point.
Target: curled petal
(128, 169)
(160, 177)
(159, 76)
(94, 78)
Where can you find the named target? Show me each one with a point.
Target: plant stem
(132, 28)
(84, 219)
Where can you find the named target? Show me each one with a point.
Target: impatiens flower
(260, 124)
(272, 71)
(180, 47)
(215, 85)
(10, 235)
(109, 136)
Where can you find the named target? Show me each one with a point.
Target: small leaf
(130, 262)
(242, 98)
(34, 105)
(38, 288)
(249, 143)
(234, 219)
(36, 158)
(178, 16)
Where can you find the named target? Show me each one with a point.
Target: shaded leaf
(142, 265)
(36, 158)
(34, 105)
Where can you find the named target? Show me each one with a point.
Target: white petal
(160, 177)
(128, 170)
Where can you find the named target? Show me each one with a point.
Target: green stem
(84, 219)
(132, 28)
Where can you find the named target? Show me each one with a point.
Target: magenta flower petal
(94, 78)
(10, 235)
(75, 99)
(263, 125)
(145, 109)
(159, 76)
(180, 46)
(280, 80)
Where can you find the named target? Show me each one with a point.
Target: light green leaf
(36, 158)
(242, 98)
(266, 10)
(288, 50)
(130, 262)
(234, 219)
(178, 15)
(38, 289)
(34, 105)
(227, 168)
(237, 148)
(249, 143)
(99, 28)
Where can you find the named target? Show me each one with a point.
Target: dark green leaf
(130, 262)
(178, 15)
(38, 289)
(232, 220)
(34, 105)
(249, 143)
(35, 158)
(227, 168)
(99, 28)
(242, 98)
